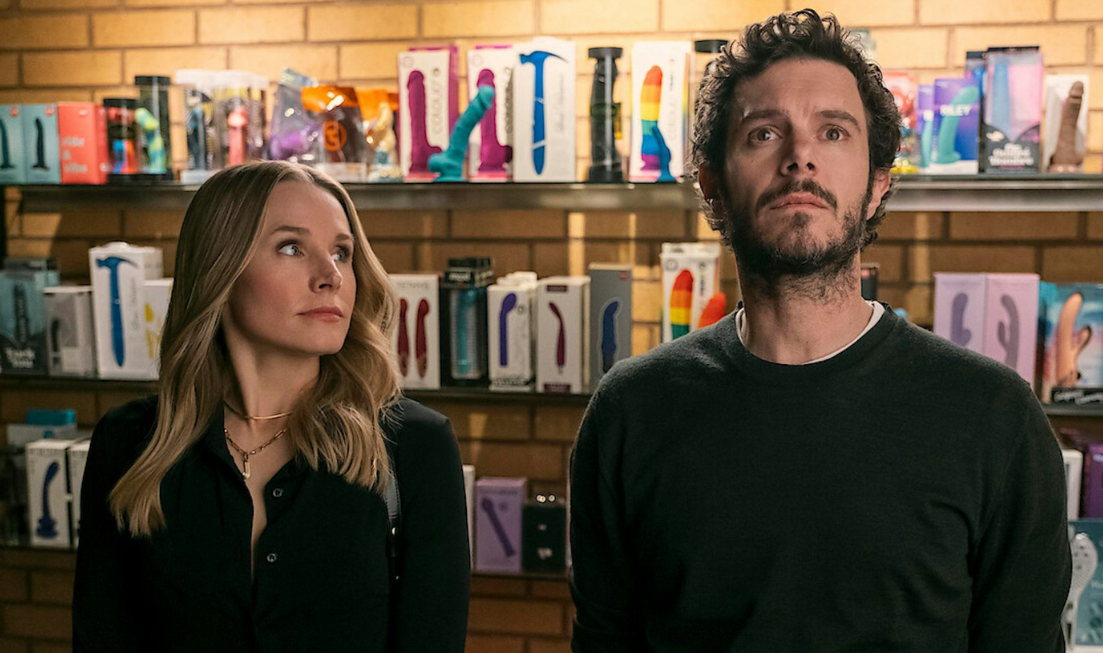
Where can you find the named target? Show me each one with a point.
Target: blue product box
(12, 168)
(1013, 84)
(41, 150)
(1084, 627)
(956, 127)
(1072, 332)
(23, 347)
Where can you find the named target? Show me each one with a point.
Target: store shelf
(986, 193)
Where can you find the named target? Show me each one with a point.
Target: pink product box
(498, 509)
(1011, 322)
(959, 309)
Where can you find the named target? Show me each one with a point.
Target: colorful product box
(1013, 81)
(490, 155)
(82, 134)
(41, 156)
(416, 337)
(924, 125)
(563, 335)
(13, 170)
(463, 293)
(23, 345)
(511, 318)
(544, 83)
(70, 336)
(611, 314)
(1085, 601)
(428, 96)
(660, 106)
(498, 505)
(1065, 138)
(157, 294)
(956, 126)
(48, 493)
(1072, 362)
(691, 276)
(119, 272)
(903, 86)
(1074, 466)
(78, 457)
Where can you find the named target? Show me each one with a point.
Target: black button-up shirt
(321, 581)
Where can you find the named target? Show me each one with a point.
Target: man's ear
(710, 186)
(882, 179)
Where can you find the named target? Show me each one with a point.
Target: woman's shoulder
(126, 426)
(414, 429)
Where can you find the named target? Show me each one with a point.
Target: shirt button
(278, 492)
(272, 557)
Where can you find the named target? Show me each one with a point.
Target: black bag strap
(394, 519)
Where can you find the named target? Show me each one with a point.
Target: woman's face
(296, 295)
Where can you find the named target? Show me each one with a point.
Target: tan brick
(584, 252)
(549, 646)
(911, 48)
(1095, 123)
(152, 224)
(919, 303)
(37, 559)
(106, 401)
(16, 403)
(142, 28)
(911, 226)
(521, 617)
(163, 61)
(712, 15)
(1093, 164)
(551, 589)
(507, 257)
(955, 12)
(869, 13)
(13, 585)
(1079, 10)
(890, 259)
(483, 586)
(90, 223)
(44, 32)
(63, 4)
(88, 68)
(645, 337)
(7, 644)
(1013, 226)
(524, 225)
(1061, 45)
(48, 647)
(102, 92)
(52, 587)
(29, 247)
(1095, 225)
(72, 256)
(729, 270)
(471, 19)
(361, 23)
(395, 256)
(1095, 100)
(663, 225)
(925, 260)
(251, 25)
(24, 620)
(371, 60)
(1098, 58)
(318, 61)
(404, 224)
(9, 70)
(705, 230)
(534, 461)
(1069, 264)
(561, 17)
(647, 301)
(488, 421)
(558, 422)
(550, 259)
(494, 644)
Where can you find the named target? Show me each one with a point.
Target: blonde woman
(244, 507)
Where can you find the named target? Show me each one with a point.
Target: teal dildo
(154, 143)
(449, 164)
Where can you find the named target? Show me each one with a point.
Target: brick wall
(88, 49)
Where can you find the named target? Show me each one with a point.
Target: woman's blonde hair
(337, 422)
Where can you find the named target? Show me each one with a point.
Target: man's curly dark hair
(785, 36)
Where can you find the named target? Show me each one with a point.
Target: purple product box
(959, 309)
(498, 507)
(1092, 482)
(954, 139)
(1011, 322)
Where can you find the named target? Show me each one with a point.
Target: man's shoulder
(686, 360)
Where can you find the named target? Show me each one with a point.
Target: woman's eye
(290, 249)
(342, 255)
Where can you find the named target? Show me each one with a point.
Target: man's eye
(762, 135)
(834, 134)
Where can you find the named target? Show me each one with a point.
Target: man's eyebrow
(839, 114)
(762, 114)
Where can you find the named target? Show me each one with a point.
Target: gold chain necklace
(246, 454)
(257, 418)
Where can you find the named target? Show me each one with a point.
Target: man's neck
(793, 323)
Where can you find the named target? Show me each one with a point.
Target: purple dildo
(420, 148)
(493, 155)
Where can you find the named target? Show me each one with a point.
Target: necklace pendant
(245, 461)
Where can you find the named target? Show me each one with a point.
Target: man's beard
(770, 263)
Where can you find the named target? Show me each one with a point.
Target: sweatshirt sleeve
(1021, 564)
(607, 617)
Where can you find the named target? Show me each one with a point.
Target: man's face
(796, 180)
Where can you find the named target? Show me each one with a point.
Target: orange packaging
(82, 134)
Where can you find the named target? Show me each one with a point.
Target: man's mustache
(804, 186)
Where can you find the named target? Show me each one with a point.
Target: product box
(416, 337)
(903, 86)
(1013, 81)
(13, 169)
(499, 503)
(563, 335)
(40, 144)
(20, 435)
(70, 336)
(1011, 322)
(78, 456)
(1065, 138)
(463, 296)
(1072, 360)
(611, 315)
(48, 493)
(544, 83)
(959, 304)
(924, 125)
(1074, 466)
(1085, 601)
(428, 97)
(489, 153)
(157, 294)
(544, 535)
(469, 496)
(511, 318)
(119, 272)
(691, 276)
(23, 346)
(82, 135)
(956, 126)
(660, 106)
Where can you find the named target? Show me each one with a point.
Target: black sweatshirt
(905, 495)
(322, 581)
